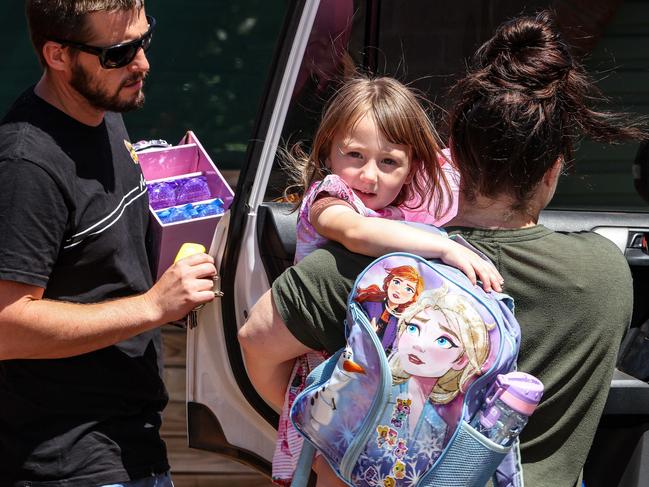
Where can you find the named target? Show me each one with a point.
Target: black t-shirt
(73, 220)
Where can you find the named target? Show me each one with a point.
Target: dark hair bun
(521, 106)
(525, 35)
(528, 51)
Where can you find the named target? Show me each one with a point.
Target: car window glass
(426, 43)
(208, 73)
(334, 48)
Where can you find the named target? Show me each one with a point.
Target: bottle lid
(520, 391)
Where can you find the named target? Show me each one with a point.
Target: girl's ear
(326, 166)
(413, 170)
(461, 362)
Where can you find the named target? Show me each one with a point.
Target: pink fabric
(289, 442)
(308, 239)
(425, 215)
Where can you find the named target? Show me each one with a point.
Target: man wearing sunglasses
(81, 392)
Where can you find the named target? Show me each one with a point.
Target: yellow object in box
(188, 249)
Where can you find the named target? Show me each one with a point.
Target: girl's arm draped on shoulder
(336, 220)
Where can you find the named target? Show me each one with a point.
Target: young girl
(374, 153)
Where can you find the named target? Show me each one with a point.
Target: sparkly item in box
(189, 191)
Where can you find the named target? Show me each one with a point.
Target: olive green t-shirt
(573, 295)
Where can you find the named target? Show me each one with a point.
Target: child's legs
(289, 442)
(269, 350)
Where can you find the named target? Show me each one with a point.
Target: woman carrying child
(518, 112)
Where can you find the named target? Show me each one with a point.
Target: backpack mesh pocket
(453, 469)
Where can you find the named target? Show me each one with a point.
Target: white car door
(224, 412)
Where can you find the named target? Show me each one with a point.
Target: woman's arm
(336, 220)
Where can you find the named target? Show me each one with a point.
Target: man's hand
(185, 285)
(32, 327)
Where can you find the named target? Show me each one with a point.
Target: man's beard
(100, 98)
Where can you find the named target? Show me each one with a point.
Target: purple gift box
(188, 159)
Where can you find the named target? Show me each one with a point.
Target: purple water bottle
(509, 404)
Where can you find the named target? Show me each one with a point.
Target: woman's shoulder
(592, 252)
(590, 243)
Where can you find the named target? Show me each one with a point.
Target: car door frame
(204, 429)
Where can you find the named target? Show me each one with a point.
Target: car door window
(426, 44)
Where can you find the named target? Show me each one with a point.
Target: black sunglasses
(119, 55)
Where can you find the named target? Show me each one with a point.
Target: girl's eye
(413, 329)
(396, 282)
(354, 154)
(390, 162)
(445, 342)
(410, 290)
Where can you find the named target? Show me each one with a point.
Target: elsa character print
(384, 305)
(442, 344)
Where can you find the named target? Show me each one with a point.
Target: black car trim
(204, 432)
(372, 19)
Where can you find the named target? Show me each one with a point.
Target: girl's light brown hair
(402, 119)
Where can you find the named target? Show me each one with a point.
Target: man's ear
(56, 56)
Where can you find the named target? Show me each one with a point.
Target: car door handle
(637, 250)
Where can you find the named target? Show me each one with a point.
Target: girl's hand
(474, 266)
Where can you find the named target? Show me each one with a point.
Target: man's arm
(32, 327)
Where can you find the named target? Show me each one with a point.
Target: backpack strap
(307, 454)
(506, 299)
(304, 463)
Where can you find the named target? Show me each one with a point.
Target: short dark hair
(66, 19)
(521, 106)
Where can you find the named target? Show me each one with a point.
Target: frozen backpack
(394, 407)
